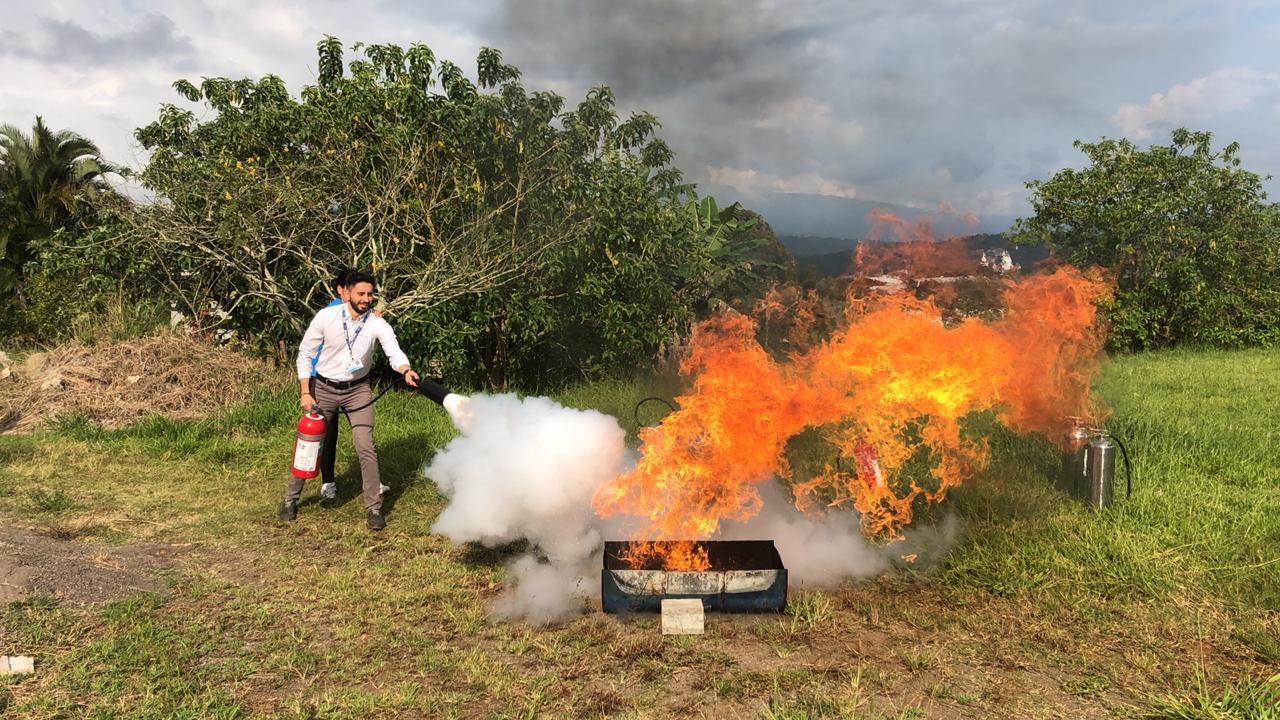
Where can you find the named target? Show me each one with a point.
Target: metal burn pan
(745, 576)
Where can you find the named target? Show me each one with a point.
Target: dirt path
(32, 563)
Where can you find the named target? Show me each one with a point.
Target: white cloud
(1199, 101)
(753, 182)
(102, 70)
(794, 97)
(291, 24)
(999, 201)
(815, 119)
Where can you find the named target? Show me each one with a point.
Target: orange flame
(1050, 326)
(905, 381)
(922, 258)
(791, 307)
(894, 245)
(890, 391)
(701, 465)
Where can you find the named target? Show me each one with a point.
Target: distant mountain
(834, 264)
(801, 245)
(817, 224)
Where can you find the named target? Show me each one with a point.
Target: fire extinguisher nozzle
(433, 390)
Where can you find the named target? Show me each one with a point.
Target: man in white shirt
(348, 333)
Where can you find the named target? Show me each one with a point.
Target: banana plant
(728, 248)
(721, 227)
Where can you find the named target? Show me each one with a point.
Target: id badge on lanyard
(356, 364)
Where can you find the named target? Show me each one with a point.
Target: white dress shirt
(341, 349)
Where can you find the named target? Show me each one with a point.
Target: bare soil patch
(33, 563)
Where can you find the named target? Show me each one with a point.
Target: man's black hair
(360, 276)
(341, 279)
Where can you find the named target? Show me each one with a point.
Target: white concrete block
(682, 617)
(18, 665)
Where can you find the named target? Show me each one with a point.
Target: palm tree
(41, 178)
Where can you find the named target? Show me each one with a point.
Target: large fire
(889, 390)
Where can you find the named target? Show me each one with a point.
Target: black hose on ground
(1128, 468)
(636, 412)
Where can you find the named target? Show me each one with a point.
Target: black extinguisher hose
(636, 413)
(430, 388)
(1128, 468)
(376, 398)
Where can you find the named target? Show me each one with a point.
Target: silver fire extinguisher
(1089, 466)
(1101, 457)
(1074, 460)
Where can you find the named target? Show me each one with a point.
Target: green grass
(1203, 429)
(808, 611)
(50, 501)
(1244, 700)
(1165, 604)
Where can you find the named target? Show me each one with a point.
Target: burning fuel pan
(745, 576)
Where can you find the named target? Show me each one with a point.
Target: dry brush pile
(112, 385)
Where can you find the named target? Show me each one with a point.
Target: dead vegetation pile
(113, 385)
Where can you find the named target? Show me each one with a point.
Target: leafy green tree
(44, 177)
(653, 259)
(1193, 244)
(517, 242)
(89, 285)
(441, 194)
(601, 304)
(446, 188)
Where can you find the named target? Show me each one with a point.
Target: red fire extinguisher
(868, 462)
(306, 449)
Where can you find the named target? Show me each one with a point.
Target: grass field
(1166, 605)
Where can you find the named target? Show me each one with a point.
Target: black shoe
(288, 511)
(376, 521)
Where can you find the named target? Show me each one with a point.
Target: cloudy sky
(917, 103)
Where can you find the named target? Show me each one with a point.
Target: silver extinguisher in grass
(1089, 465)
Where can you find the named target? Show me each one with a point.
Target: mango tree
(1188, 234)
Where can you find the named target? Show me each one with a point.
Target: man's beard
(356, 309)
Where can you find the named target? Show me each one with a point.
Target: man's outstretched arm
(396, 356)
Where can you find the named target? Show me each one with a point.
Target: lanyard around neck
(351, 339)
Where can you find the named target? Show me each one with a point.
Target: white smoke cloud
(927, 544)
(526, 468)
(827, 548)
(818, 550)
(542, 592)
